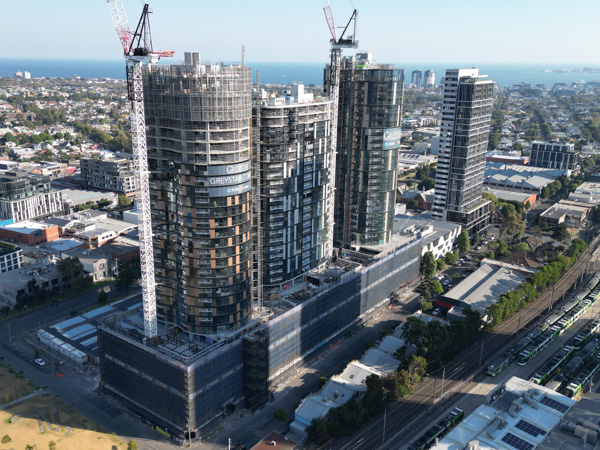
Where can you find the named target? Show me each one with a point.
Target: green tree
(426, 306)
(441, 265)
(68, 136)
(426, 184)
(428, 265)
(450, 258)
(126, 278)
(463, 242)
(475, 239)
(513, 225)
(280, 415)
(51, 445)
(8, 137)
(560, 232)
(436, 287)
(132, 445)
(70, 267)
(373, 400)
(124, 201)
(577, 248)
(502, 249)
(6, 439)
(412, 203)
(102, 296)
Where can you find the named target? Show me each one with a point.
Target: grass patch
(13, 384)
(85, 434)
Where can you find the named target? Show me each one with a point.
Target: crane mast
(333, 92)
(137, 49)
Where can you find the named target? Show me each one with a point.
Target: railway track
(403, 418)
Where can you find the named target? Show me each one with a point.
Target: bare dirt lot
(44, 418)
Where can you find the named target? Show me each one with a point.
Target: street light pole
(481, 354)
(384, 420)
(551, 298)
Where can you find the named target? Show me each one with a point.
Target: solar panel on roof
(551, 403)
(517, 442)
(529, 428)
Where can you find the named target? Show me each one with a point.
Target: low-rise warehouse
(519, 418)
(484, 287)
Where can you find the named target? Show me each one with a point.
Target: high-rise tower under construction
(198, 118)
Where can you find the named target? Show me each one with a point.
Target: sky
(399, 31)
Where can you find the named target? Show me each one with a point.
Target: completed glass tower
(370, 114)
(466, 114)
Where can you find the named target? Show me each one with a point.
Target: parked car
(40, 362)
(436, 311)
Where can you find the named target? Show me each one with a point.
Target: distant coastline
(504, 75)
(582, 70)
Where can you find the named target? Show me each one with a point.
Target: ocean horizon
(309, 73)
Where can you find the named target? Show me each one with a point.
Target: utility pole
(551, 298)
(9, 335)
(384, 419)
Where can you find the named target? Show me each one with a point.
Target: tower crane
(137, 50)
(332, 89)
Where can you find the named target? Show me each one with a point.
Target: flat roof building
(588, 192)
(579, 428)
(111, 174)
(30, 232)
(517, 178)
(511, 196)
(552, 155)
(519, 418)
(484, 287)
(437, 237)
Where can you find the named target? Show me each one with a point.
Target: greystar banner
(391, 138)
(229, 179)
(230, 169)
(232, 190)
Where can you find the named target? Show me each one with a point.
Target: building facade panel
(284, 343)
